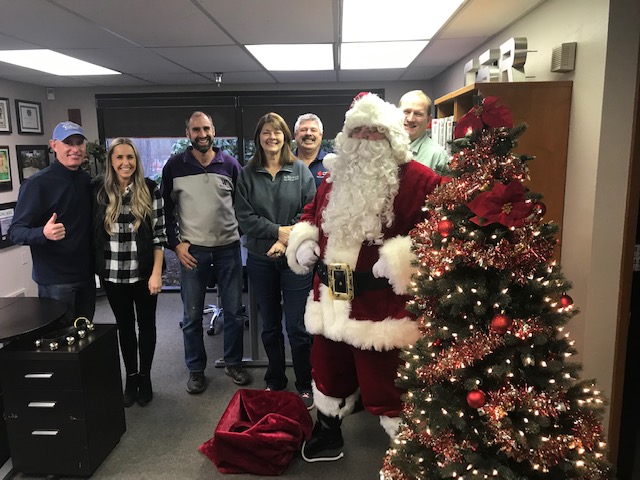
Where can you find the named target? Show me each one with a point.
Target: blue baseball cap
(65, 129)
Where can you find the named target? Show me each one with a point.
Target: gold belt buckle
(340, 281)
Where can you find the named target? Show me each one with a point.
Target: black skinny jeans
(122, 298)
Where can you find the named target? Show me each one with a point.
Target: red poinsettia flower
(503, 204)
(489, 113)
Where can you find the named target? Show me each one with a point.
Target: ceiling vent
(564, 58)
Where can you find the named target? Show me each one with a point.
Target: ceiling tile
(305, 77)
(126, 60)
(383, 75)
(259, 76)
(175, 78)
(252, 22)
(173, 23)
(46, 25)
(446, 51)
(485, 18)
(211, 59)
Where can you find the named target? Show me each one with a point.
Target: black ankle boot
(131, 389)
(325, 444)
(145, 392)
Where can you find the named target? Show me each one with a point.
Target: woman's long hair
(110, 195)
(286, 154)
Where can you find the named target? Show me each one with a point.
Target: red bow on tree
(488, 113)
(503, 204)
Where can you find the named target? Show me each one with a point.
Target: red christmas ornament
(476, 398)
(500, 323)
(566, 300)
(445, 227)
(540, 209)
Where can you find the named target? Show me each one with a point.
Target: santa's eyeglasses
(368, 131)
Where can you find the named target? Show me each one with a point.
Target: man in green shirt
(416, 107)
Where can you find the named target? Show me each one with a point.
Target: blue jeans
(273, 281)
(79, 297)
(226, 263)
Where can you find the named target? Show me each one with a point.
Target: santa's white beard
(365, 183)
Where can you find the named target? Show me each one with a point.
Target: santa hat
(369, 110)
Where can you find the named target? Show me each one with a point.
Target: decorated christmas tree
(491, 389)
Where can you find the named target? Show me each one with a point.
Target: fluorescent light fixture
(56, 63)
(384, 20)
(294, 57)
(379, 55)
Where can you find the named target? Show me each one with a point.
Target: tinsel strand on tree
(491, 392)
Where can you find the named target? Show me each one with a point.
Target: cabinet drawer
(39, 375)
(48, 406)
(61, 450)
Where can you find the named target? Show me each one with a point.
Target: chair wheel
(211, 331)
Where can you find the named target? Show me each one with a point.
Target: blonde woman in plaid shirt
(129, 239)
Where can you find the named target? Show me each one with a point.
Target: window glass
(154, 152)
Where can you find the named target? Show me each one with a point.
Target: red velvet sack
(259, 432)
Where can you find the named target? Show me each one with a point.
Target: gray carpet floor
(162, 439)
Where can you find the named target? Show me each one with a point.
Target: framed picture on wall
(31, 159)
(6, 182)
(5, 116)
(29, 117)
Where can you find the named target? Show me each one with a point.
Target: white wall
(15, 261)
(599, 152)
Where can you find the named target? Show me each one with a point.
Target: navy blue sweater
(68, 194)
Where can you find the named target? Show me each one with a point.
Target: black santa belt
(345, 283)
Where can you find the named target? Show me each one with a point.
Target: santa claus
(355, 233)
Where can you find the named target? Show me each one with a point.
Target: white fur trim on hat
(371, 111)
(330, 318)
(397, 254)
(301, 231)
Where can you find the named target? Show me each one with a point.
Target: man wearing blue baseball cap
(53, 217)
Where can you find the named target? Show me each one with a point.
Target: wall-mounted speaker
(563, 58)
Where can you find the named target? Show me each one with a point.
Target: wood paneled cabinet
(545, 108)
(63, 408)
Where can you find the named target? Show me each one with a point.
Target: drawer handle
(49, 433)
(38, 375)
(42, 404)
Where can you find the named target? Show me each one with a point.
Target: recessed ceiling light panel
(383, 20)
(294, 57)
(52, 62)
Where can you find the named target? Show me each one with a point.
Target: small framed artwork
(31, 159)
(29, 117)
(6, 216)
(6, 182)
(5, 116)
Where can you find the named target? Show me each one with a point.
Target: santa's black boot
(325, 444)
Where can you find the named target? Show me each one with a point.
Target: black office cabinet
(63, 408)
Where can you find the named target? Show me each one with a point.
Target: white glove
(381, 269)
(308, 253)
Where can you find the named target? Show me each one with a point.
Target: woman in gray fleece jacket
(271, 193)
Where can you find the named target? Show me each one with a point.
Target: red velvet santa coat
(375, 319)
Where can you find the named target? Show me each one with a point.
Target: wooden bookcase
(545, 107)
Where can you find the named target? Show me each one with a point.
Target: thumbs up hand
(52, 230)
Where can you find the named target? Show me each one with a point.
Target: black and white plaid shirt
(121, 255)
